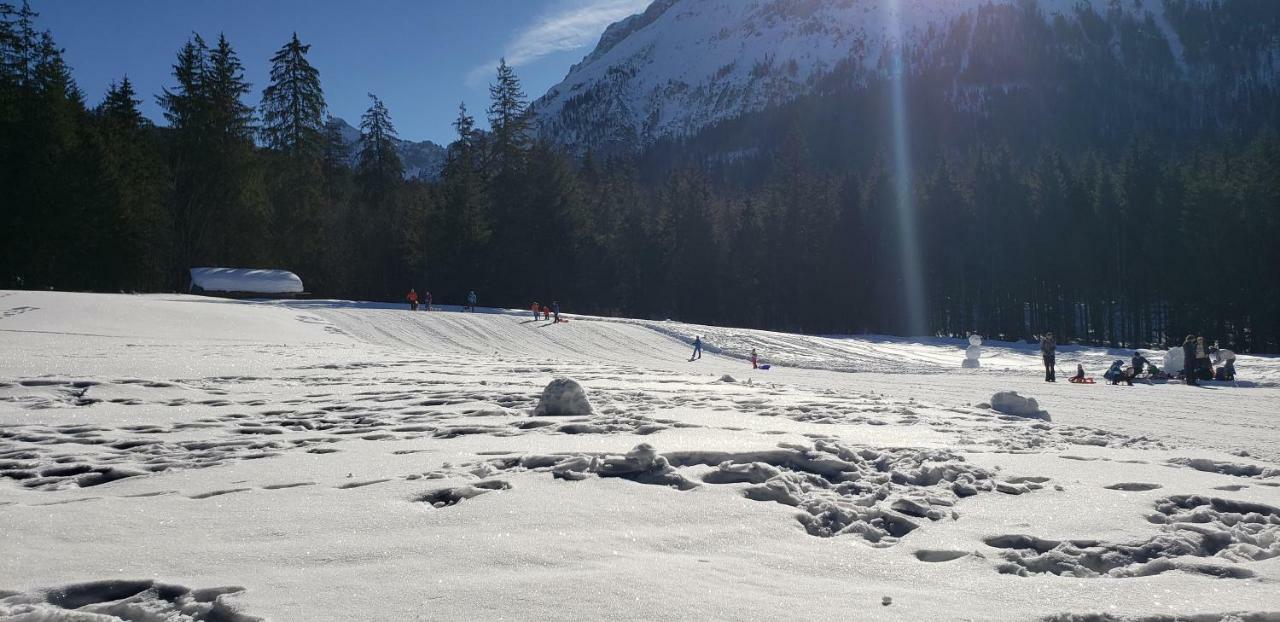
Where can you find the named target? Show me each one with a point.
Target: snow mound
(1010, 403)
(123, 600)
(564, 397)
(727, 378)
(243, 280)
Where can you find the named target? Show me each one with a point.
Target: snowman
(972, 353)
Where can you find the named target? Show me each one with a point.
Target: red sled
(1074, 380)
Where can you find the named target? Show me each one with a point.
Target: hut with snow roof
(245, 283)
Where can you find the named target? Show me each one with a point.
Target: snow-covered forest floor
(175, 457)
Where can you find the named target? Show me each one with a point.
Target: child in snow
(426, 298)
(555, 309)
(697, 348)
(1079, 377)
(471, 301)
(535, 311)
(754, 361)
(412, 297)
(546, 312)
(1116, 374)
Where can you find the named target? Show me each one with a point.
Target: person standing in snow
(555, 310)
(697, 348)
(1189, 360)
(412, 297)
(471, 301)
(426, 299)
(754, 360)
(1204, 368)
(546, 312)
(535, 312)
(1049, 350)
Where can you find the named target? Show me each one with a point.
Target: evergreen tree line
(1128, 246)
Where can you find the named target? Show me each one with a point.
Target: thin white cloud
(575, 24)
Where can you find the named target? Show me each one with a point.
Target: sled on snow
(1075, 380)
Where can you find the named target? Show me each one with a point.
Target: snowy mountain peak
(682, 65)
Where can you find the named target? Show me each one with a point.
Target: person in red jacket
(412, 297)
(754, 360)
(546, 312)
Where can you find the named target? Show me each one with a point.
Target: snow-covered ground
(175, 457)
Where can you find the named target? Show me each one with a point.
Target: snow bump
(1010, 403)
(564, 397)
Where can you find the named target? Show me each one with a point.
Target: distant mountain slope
(683, 65)
(422, 160)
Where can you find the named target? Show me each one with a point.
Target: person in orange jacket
(535, 311)
(412, 297)
(546, 312)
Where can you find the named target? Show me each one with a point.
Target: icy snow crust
(187, 458)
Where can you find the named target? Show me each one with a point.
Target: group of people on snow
(547, 312)
(413, 299)
(1198, 359)
(425, 300)
(1197, 364)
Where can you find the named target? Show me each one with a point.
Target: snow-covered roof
(246, 280)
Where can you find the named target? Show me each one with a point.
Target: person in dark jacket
(1139, 364)
(1189, 360)
(1049, 350)
(1227, 372)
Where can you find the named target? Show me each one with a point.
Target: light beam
(912, 278)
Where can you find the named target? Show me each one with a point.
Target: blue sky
(420, 57)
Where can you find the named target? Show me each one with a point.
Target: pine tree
(293, 108)
(509, 187)
(461, 232)
(120, 106)
(508, 119)
(217, 205)
(293, 130)
(379, 163)
(379, 177)
(225, 86)
(129, 188)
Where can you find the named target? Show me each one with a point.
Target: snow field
(328, 460)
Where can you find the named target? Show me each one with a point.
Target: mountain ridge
(683, 65)
(422, 159)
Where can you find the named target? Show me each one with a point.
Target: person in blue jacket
(697, 348)
(471, 301)
(1116, 374)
